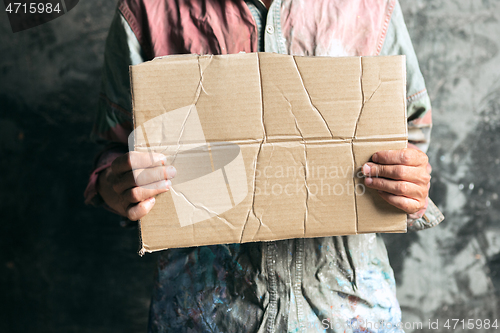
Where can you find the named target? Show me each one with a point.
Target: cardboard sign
(267, 146)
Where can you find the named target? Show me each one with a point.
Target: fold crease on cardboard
(267, 146)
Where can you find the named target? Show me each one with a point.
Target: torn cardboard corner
(267, 146)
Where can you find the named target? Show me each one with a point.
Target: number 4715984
(470, 324)
(34, 7)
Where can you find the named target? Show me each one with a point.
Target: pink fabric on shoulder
(166, 27)
(356, 28)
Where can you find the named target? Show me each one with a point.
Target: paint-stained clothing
(332, 284)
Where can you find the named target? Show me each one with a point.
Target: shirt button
(270, 29)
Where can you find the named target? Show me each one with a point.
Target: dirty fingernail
(366, 170)
(368, 181)
(171, 172)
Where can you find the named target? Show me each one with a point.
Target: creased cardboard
(267, 146)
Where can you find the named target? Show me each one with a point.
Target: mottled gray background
(65, 267)
(453, 271)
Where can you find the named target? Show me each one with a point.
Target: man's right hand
(132, 181)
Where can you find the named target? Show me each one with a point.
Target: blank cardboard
(267, 146)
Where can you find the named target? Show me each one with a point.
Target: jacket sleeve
(113, 122)
(419, 112)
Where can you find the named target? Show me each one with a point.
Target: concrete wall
(453, 271)
(65, 267)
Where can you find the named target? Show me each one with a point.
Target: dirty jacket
(330, 284)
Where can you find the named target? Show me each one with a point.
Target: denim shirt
(329, 284)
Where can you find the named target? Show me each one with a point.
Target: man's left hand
(402, 177)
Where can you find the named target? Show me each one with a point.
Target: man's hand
(129, 185)
(402, 177)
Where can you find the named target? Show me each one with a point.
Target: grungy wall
(65, 267)
(453, 270)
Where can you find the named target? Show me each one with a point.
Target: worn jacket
(331, 284)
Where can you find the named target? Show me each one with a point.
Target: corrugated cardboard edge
(406, 117)
(142, 248)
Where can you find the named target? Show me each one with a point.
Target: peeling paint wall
(65, 267)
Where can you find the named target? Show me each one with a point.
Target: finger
(412, 174)
(429, 167)
(401, 188)
(151, 175)
(421, 212)
(410, 206)
(123, 182)
(407, 156)
(137, 160)
(139, 210)
(142, 177)
(138, 194)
